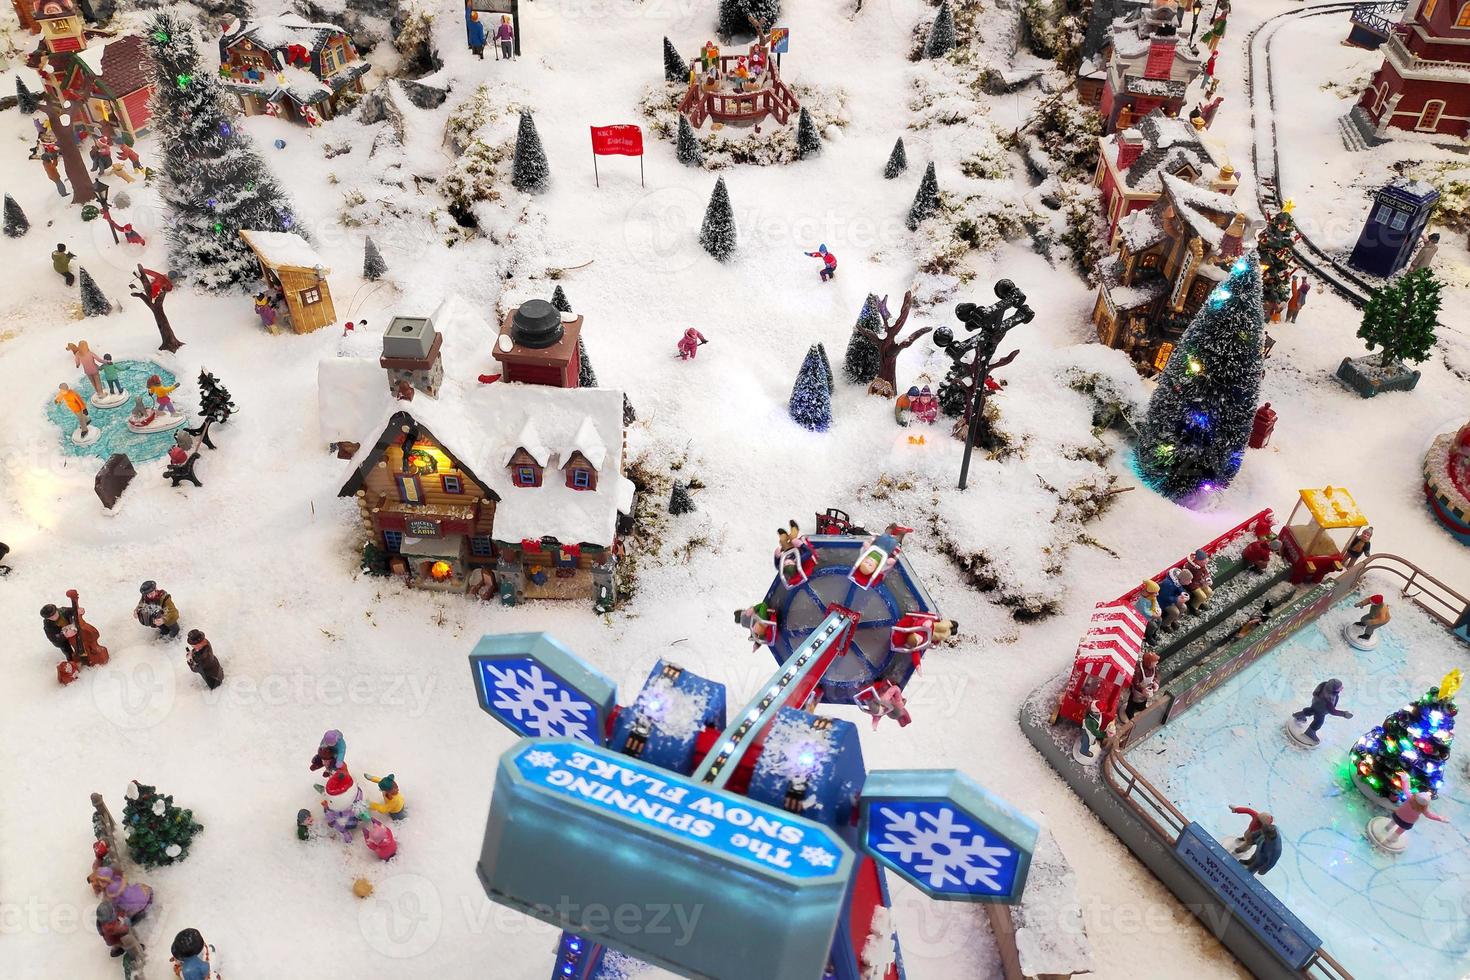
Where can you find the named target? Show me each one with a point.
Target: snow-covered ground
(262, 557)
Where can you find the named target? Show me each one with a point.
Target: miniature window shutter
(410, 491)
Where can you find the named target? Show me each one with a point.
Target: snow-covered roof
(351, 394)
(283, 249)
(1192, 204)
(288, 29)
(1140, 229)
(1168, 144)
(530, 440)
(588, 442)
(121, 64)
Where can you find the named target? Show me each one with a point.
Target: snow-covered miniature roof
(288, 29)
(1140, 229)
(1168, 145)
(529, 440)
(1193, 202)
(120, 64)
(588, 442)
(283, 249)
(351, 394)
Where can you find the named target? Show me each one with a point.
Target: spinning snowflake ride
(765, 821)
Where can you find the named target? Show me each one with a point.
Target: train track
(1266, 153)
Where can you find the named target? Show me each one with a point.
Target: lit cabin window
(410, 491)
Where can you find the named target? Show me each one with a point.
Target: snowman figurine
(341, 803)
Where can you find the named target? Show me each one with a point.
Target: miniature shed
(289, 264)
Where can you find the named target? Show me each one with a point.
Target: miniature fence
(1442, 603)
(773, 98)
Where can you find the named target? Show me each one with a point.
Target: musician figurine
(77, 639)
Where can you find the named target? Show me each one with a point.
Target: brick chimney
(1130, 148)
(1160, 57)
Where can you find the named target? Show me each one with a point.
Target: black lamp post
(102, 190)
(1198, 6)
(987, 326)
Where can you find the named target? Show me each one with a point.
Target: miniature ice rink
(1369, 908)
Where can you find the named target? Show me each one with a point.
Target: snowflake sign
(946, 835)
(536, 687)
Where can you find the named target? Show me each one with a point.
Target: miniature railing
(1436, 598)
(1148, 804)
(771, 97)
(1377, 17)
(1323, 967)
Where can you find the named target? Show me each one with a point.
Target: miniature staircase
(1352, 138)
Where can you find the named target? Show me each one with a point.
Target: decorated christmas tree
(16, 223)
(811, 397)
(898, 160)
(559, 299)
(25, 98)
(736, 16)
(1274, 244)
(1407, 753)
(680, 501)
(808, 143)
(686, 148)
(157, 831)
(862, 361)
(941, 34)
(373, 265)
(215, 183)
(94, 302)
(586, 377)
(717, 234)
(1199, 418)
(1402, 317)
(676, 69)
(214, 399)
(529, 170)
(926, 201)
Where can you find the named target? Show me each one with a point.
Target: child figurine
(192, 956)
(505, 36)
(110, 883)
(109, 374)
(141, 414)
(1324, 703)
(829, 262)
(903, 406)
(199, 655)
(379, 839)
(392, 804)
(916, 632)
(72, 400)
(1387, 832)
(878, 555)
(925, 406)
(1147, 605)
(160, 393)
(330, 754)
(303, 824)
(116, 930)
(83, 357)
(760, 621)
(156, 610)
(1203, 585)
(884, 700)
(266, 310)
(690, 343)
(796, 559)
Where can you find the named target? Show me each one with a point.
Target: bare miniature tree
(153, 288)
(889, 343)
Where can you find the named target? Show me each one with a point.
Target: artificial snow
(284, 249)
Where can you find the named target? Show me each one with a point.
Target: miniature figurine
(1422, 258)
(49, 155)
(1145, 684)
(1090, 738)
(266, 310)
(1324, 703)
(192, 956)
(83, 357)
(925, 406)
(109, 374)
(141, 414)
(884, 699)
(84, 433)
(330, 754)
(795, 559)
(1248, 840)
(1257, 554)
(160, 393)
(760, 621)
(1174, 595)
(1387, 832)
(379, 839)
(341, 802)
(903, 405)
(126, 152)
(1203, 586)
(109, 882)
(78, 641)
(1267, 841)
(1300, 287)
(4, 568)
(829, 262)
(475, 32)
(61, 262)
(690, 343)
(916, 632)
(1147, 605)
(505, 36)
(156, 610)
(1375, 617)
(199, 655)
(303, 824)
(878, 555)
(392, 804)
(1360, 547)
(116, 931)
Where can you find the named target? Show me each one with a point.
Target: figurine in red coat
(690, 343)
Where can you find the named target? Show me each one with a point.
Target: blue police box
(1400, 211)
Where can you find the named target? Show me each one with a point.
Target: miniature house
(411, 357)
(110, 78)
(1148, 67)
(538, 345)
(1166, 260)
(1131, 165)
(290, 265)
(25, 13)
(1400, 212)
(290, 66)
(1423, 85)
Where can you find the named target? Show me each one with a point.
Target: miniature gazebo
(288, 263)
(738, 88)
(1322, 526)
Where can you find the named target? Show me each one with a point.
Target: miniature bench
(183, 471)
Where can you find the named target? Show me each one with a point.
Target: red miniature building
(1106, 660)
(1148, 68)
(1131, 165)
(1423, 85)
(109, 78)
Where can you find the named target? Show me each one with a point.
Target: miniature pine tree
(687, 146)
(736, 15)
(158, 832)
(1407, 753)
(629, 416)
(373, 265)
(811, 398)
(676, 69)
(680, 501)
(214, 399)
(898, 161)
(214, 181)
(1199, 418)
(1274, 244)
(586, 377)
(941, 34)
(808, 143)
(94, 302)
(717, 234)
(25, 98)
(529, 170)
(16, 223)
(826, 367)
(559, 299)
(926, 201)
(1402, 317)
(954, 392)
(861, 362)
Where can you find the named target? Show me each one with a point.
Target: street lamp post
(102, 191)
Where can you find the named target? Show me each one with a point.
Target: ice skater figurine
(1258, 818)
(690, 343)
(392, 806)
(1375, 617)
(331, 753)
(1324, 703)
(829, 262)
(141, 414)
(1359, 548)
(160, 393)
(1408, 814)
(191, 956)
(73, 401)
(83, 358)
(156, 610)
(109, 373)
(1267, 842)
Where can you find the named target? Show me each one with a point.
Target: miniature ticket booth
(289, 264)
(1321, 527)
(1105, 663)
(538, 345)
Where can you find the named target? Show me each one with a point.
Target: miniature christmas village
(989, 496)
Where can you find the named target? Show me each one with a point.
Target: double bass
(87, 650)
